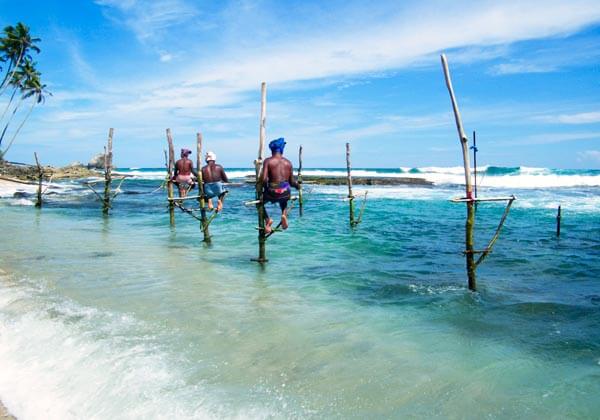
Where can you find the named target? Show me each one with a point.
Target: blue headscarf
(277, 145)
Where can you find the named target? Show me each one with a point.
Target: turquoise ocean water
(125, 317)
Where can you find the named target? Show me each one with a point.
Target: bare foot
(219, 206)
(210, 204)
(268, 227)
(284, 222)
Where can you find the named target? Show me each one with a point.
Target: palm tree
(25, 79)
(37, 91)
(15, 46)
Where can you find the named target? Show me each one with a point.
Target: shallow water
(124, 317)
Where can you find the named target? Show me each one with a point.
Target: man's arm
(265, 171)
(176, 170)
(291, 179)
(223, 175)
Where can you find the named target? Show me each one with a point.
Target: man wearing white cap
(213, 176)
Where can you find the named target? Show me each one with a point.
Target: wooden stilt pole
(201, 199)
(474, 147)
(38, 202)
(349, 180)
(170, 171)
(470, 224)
(558, 217)
(108, 165)
(300, 201)
(260, 206)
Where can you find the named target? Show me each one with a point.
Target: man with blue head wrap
(277, 177)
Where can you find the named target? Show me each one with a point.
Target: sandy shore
(4, 414)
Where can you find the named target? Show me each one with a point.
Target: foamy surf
(80, 362)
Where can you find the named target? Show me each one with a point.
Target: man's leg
(268, 221)
(284, 221)
(220, 202)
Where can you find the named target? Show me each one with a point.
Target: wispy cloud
(552, 138)
(149, 18)
(590, 155)
(579, 118)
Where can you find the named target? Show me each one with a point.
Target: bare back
(184, 166)
(277, 169)
(213, 173)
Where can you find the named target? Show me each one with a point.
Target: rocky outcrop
(30, 173)
(358, 180)
(96, 162)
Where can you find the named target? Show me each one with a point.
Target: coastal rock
(75, 164)
(358, 180)
(96, 162)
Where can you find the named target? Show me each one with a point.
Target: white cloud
(590, 155)
(370, 48)
(552, 138)
(581, 118)
(150, 18)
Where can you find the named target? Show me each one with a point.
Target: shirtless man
(277, 177)
(184, 173)
(213, 176)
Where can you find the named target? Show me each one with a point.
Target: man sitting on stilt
(277, 177)
(184, 173)
(213, 176)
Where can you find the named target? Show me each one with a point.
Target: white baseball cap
(211, 156)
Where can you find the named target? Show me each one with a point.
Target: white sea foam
(522, 178)
(61, 360)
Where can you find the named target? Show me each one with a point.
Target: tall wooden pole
(38, 202)
(474, 147)
(170, 170)
(201, 199)
(470, 223)
(260, 206)
(349, 179)
(108, 156)
(300, 201)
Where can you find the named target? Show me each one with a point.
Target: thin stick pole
(300, 202)
(260, 206)
(201, 200)
(108, 156)
(488, 249)
(38, 202)
(170, 171)
(459, 126)
(475, 161)
(470, 223)
(558, 217)
(349, 180)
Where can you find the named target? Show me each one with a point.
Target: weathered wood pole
(38, 201)
(349, 180)
(558, 217)
(300, 201)
(201, 199)
(170, 171)
(470, 224)
(474, 147)
(108, 165)
(260, 205)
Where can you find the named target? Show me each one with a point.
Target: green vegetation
(21, 78)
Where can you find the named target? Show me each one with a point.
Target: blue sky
(526, 73)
